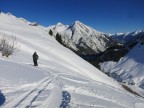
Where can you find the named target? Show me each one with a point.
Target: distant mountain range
(128, 37)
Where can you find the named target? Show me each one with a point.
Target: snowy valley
(63, 79)
(129, 69)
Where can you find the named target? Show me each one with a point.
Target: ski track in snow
(27, 98)
(67, 92)
(81, 87)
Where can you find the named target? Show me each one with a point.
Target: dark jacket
(35, 56)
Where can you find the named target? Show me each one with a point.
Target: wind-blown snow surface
(62, 79)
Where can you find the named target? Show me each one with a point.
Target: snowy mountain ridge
(59, 27)
(82, 38)
(128, 37)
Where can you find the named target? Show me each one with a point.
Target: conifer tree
(50, 32)
(58, 38)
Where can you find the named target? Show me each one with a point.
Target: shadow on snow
(2, 98)
(66, 97)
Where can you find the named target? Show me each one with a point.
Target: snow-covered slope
(130, 69)
(43, 87)
(62, 78)
(32, 39)
(82, 38)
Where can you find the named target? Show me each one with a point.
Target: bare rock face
(33, 24)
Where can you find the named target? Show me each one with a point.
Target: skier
(35, 58)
